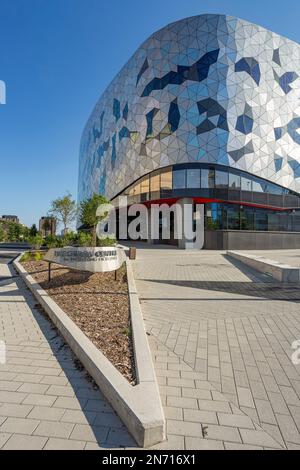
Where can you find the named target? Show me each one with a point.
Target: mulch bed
(98, 305)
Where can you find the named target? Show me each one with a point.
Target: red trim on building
(200, 200)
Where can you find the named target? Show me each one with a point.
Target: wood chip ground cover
(99, 306)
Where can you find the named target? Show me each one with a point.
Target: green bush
(106, 241)
(38, 256)
(82, 239)
(25, 257)
(50, 241)
(36, 242)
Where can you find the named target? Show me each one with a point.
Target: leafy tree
(33, 231)
(2, 234)
(64, 210)
(88, 216)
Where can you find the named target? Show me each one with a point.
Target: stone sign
(99, 259)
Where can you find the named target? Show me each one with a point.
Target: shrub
(51, 241)
(106, 241)
(82, 239)
(38, 256)
(36, 242)
(26, 257)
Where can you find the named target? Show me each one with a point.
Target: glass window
(295, 221)
(246, 184)
(208, 178)
(261, 220)
(166, 179)
(246, 218)
(221, 179)
(193, 178)
(145, 185)
(258, 186)
(273, 221)
(154, 183)
(234, 181)
(136, 189)
(233, 217)
(273, 189)
(179, 177)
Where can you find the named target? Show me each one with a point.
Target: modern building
(10, 218)
(47, 226)
(206, 109)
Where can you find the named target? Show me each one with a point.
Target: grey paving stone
(238, 421)
(259, 438)
(77, 416)
(182, 402)
(46, 413)
(6, 385)
(223, 433)
(245, 397)
(184, 428)
(288, 428)
(11, 397)
(4, 436)
(64, 444)
(195, 443)
(60, 390)
(33, 388)
(71, 403)
(23, 442)
(39, 399)
(172, 412)
(200, 416)
(15, 410)
(21, 425)
(236, 446)
(54, 429)
(84, 432)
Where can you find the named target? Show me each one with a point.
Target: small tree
(2, 233)
(88, 216)
(33, 231)
(64, 210)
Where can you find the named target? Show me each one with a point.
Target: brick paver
(220, 327)
(46, 401)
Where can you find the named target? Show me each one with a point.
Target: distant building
(47, 226)
(11, 218)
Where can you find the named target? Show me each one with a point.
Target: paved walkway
(221, 337)
(46, 399)
(291, 257)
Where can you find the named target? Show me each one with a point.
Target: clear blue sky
(57, 57)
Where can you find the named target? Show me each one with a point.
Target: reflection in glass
(154, 183)
(179, 179)
(207, 178)
(234, 181)
(145, 185)
(193, 178)
(246, 184)
(166, 179)
(221, 179)
(233, 218)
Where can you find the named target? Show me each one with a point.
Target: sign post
(98, 259)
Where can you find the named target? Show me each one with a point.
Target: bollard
(132, 253)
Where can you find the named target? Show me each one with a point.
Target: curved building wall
(207, 89)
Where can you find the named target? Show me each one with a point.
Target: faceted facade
(208, 89)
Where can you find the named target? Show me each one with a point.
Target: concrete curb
(280, 272)
(139, 406)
